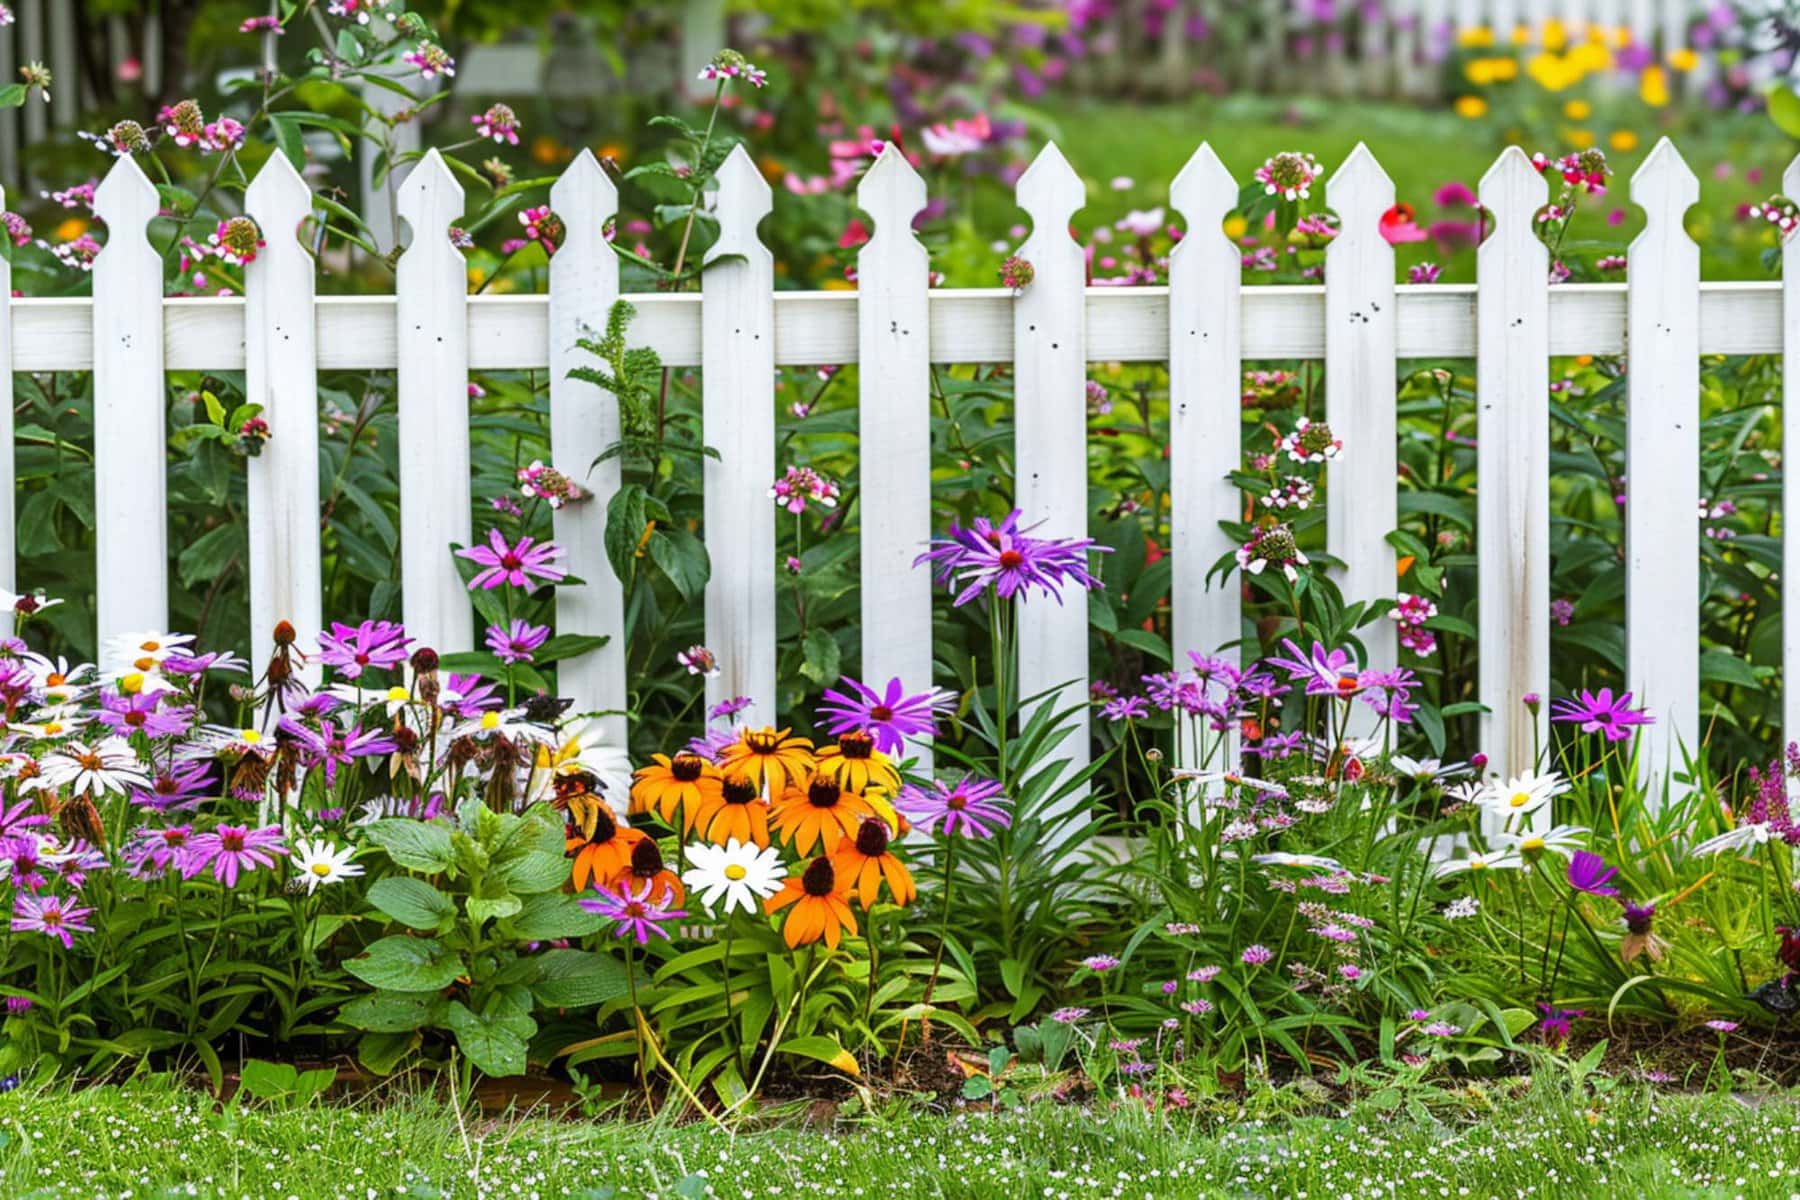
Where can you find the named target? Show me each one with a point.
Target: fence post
(737, 419)
(131, 533)
(584, 422)
(8, 525)
(1205, 433)
(1662, 463)
(1050, 402)
(893, 277)
(281, 373)
(1361, 509)
(1790, 480)
(1512, 394)
(433, 324)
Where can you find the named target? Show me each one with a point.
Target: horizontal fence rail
(1205, 325)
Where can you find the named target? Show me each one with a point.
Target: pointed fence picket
(1662, 462)
(1205, 325)
(1050, 437)
(433, 298)
(1790, 480)
(8, 536)
(281, 374)
(893, 278)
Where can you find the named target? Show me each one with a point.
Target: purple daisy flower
(19, 818)
(1601, 713)
(230, 849)
(1125, 708)
(731, 708)
(890, 716)
(181, 786)
(328, 747)
(638, 914)
(1589, 873)
(972, 807)
(522, 565)
(1326, 672)
(514, 643)
(352, 649)
(53, 916)
(1009, 560)
(143, 713)
(24, 856)
(153, 851)
(468, 696)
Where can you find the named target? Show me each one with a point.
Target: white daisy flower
(1523, 796)
(144, 650)
(743, 874)
(317, 863)
(109, 765)
(1479, 862)
(1564, 839)
(55, 679)
(1750, 836)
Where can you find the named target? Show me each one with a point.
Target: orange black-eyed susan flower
(736, 809)
(854, 763)
(602, 852)
(645, 867)
(819, 908)
(667, 786)
(864, 861)
(769, 755)
(819, 813)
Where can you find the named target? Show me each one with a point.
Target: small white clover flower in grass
(318, 863)
(739, 873)
(1461, 908)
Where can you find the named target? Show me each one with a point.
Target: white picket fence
(1205, 324)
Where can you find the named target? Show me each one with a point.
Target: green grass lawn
(1421, 149)
(153, 1139)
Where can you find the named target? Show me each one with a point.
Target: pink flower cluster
(801, 484)
(1411, 612)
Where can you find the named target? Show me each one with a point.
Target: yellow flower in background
(1475, 37)
(1553, 72)
(1591, 57)
(1235, 226)
(1653, 87)
(1683, 59)
(1623, 140)
(1521, 35)
(1621, 36)
(1581, 139)
(1471, 107)
(1578, 110)
(69, 230)
(1555, 34)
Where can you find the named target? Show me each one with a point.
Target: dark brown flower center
(957, 802)
(1011, 559)
(605, 828)
(231, 840)
(872, 839)
(646, 859)
(687, 767)
(881, 712)
(856, 745)
(763, 742)
(739, 790)
(819, 879)
(823, 793)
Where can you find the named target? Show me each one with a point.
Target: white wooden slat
(737, 398)
(967, 325)
(893, 281)
(1512, 470)
(281, 374)
(1790, 480)
(1662, 463)
(433, 358)
(1050, 436)
(9, 126)
(1641, 20)
(1205, 416)
(584, 423)
(131, 535)
(1360, 398)
(65, 92)
(8, 539)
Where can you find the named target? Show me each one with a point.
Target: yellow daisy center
(397, 693)
(490, 720)
(735, 871)
(320, 869)
(1520, 799)
(131, 684)
(1532, 844)
(249, 737)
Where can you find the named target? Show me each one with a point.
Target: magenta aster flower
(19, 818)
(514, 643)
(1009, 560)
(468, 696)
(1326, 672)
(51, 915)
(352, 649)
(890, 716)
(1125, 708)
(1601, 713)
(970, 808)
(498, 122)
(24, 858)
(519, 565)
(1589, 873)
(330, 748)
(1256, 955)
(230, 849)
(153, 851)
(637, 914)
(180, 786)
(143, 713)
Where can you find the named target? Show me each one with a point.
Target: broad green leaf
(406, 964)
(412, 902)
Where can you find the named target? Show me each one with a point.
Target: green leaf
(12, 95)
(552, 915)
(288, 139)
(489, 1044)
(624, 527)
(393, 1012)
(382, 1052)
(413, 902)
(578, 978)
(822, 657)
(822, 1049)
(568, 645)
(491, 908)
(538, 871)
(406, 964)
(1784, 110)
(683, 558)
(414, 845)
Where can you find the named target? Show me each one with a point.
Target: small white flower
(1465, 906)
(1479, 862)
(317, 863)
(1564, 839)
(1523, 796)
(145, 650)
(110, 765)
(1750, 836)
(738, 871)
